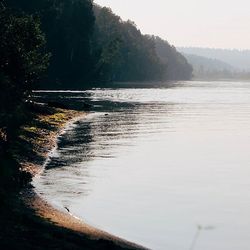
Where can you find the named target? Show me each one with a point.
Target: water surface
(152, 164)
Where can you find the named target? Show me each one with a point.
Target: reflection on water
(150, 165)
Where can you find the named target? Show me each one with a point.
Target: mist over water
(152, 164)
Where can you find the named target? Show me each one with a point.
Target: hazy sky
(203, 23)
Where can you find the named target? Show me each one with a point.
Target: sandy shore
(63, 220)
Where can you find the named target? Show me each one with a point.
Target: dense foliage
(68, 26)
(124, 54)
(91, 44)
(22, 61)
(178, 67)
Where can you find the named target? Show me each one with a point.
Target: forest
(89, 44)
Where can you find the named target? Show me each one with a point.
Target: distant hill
(239, 59)
(207, 63)
(207, 68)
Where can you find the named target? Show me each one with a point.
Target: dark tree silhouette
(22, 61)
(68, 26)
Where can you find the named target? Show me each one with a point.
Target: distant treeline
(238, 59)
(89, 44)
(213, 69)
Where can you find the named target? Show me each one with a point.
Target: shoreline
(57, 218)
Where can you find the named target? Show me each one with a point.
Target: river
(165, 167)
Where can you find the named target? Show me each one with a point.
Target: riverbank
(29, 222)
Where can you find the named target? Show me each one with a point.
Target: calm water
(150, 165)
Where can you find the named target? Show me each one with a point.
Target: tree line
(90, 44)
(123, 53)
